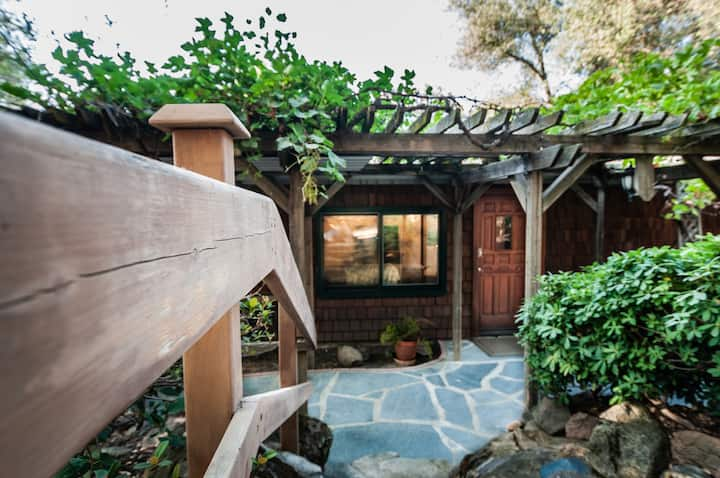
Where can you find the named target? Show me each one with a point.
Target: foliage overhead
(686, 82)
(254, 69)
(551, 39)
(645, 324)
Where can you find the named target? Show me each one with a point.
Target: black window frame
(396, 290)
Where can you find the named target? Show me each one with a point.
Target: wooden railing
(112, 267)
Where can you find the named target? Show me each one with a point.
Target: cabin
(451, 220)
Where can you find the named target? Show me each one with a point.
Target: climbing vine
(252, 66)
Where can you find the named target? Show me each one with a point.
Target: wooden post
(533, 254)
(212, 367)
(287, 353)
(600, 224)
(457, 285)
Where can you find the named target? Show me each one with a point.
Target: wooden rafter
(710, 175)
(563, 182)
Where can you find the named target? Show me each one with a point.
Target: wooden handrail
(113, 265)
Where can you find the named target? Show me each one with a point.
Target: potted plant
(405, 336)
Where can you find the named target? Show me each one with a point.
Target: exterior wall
(363, 319)
(569, 244)
(628, 225)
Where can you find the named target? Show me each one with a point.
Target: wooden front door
(499, 257)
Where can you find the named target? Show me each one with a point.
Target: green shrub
(256, 318)
(646, 323)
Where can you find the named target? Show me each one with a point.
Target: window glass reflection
(410, 249)
(350, 251)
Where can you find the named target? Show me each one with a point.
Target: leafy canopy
(646, 324)
(254, 69)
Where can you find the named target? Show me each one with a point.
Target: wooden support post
(212, 367)
(600, 224)
(287, 354)
(533, 255)
(644, 178)
(457, 284)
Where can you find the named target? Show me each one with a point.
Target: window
(380, 253)
(503, 232)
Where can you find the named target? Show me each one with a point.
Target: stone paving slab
(440, 410)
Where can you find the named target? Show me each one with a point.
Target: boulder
(550, 415)
(391, 465)
(696, 448)
(685, 471)
(316, 438)
(636, 449)
(349, 356)
(522, 464)
(580, 426)
(625, 412)
(566, 468)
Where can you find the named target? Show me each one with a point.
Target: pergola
(457, 158)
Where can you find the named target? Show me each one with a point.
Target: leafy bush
(646, 323)
(256, 318)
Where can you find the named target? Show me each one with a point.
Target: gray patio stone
(436, 380)
(254, 384)
(455, 407)
(407, 440)
(411, 402)
(514, 370)
(488, 396)
(468, 377)
(361, 383)
(469, 441)
(341, 410)
(507, 385)
(495, 418)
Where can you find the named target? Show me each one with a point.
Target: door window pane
(410, 245)
(503, 232)
(350, 250)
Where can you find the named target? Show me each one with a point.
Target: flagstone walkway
(442, 410)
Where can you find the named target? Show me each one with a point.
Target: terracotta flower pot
(406, 350)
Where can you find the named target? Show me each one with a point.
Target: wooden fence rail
(113, 266)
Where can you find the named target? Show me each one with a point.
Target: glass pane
(410, 244)
(350, 250)
(503, 232)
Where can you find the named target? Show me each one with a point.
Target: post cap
(199, 116)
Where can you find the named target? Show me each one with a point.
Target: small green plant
(91, 463)
(256, 318)
(645, 323)
(156, 460)
(263, 457)
(406, 329)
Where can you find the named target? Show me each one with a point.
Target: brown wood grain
(113, 265)
(254, 421)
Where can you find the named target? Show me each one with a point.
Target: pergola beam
(563, 182)
(329, 193)
(706, 171)
(265, 184)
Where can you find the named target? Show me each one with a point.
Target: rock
(315, 440)
(684, 471)
(696, 448)
(566, 468)
(625, 412)
(391, 465)
(636, 449)
(580, 426)
(515, 425)
(522, 464)
(349, 356)
(550, 415)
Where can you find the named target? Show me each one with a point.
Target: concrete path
(442, 410)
